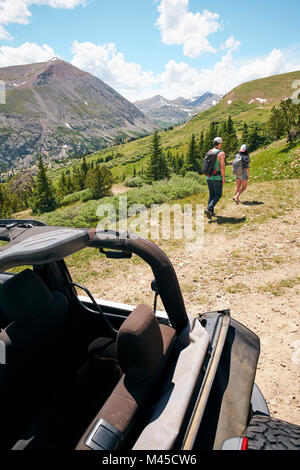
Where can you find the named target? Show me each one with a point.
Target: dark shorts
(243, 177)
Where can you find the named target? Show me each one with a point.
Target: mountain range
(59, 110)
(250, 103)
(166, 112)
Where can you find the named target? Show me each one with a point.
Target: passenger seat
(143, 347)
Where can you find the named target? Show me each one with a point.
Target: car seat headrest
(24, 297)
(140, 344)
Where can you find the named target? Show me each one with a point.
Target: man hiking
(216, 177)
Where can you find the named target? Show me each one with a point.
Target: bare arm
(221, 158)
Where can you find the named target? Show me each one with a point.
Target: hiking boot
(208, 213)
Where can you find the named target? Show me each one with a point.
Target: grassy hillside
(274, 89)
(240, 103)
(278, 161)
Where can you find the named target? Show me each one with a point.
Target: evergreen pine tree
(180, 163)
(200, 145)
(245, 134)
(164, 170)
(69, 184)
(210, 135)
(99, 180)
(276, 123)
(223, 129)
(230, 126)
(173, 162)
(192, 162)
(230, 139)
(286, 107)
(77, 180)
(156, 168)
(201, 152)
(43, 199)
(4, 202)
(207, 142)
(62, 185)
(254, 138)
(84, 167)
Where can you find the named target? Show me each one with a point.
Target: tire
(265, 433)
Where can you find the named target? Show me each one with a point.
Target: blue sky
(145, 47)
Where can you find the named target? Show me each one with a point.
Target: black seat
(34, 340)
(143, 346)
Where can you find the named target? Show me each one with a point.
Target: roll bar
(162, 268)
(33, 242)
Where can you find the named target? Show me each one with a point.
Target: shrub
(135, 182)
(84, 215)
(193, 175)
(83, 196)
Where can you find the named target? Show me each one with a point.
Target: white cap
(218, 140)
(244, 148)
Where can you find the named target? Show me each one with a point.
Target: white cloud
(109, 65)
(182, 80)
(274, 63)
(178, 26)
(68, 4)
(231, 44)
(177, 79)
(16, 11)
(27, 53)
(5, 34)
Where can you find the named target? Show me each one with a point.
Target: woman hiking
(242, 176)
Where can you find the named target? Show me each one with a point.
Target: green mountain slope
(273, 89)
(250, 102)
(124, 158)
(241, 103)
(278, 161)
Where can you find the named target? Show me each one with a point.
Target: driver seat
(33, 341)
(143, 348)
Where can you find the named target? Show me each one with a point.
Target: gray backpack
(237, 165)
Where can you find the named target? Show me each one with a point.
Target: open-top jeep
(81, 373)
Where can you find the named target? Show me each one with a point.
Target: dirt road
(250, 263)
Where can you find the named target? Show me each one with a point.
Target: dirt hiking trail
(249, 264)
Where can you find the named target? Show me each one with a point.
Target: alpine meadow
(150, 163)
